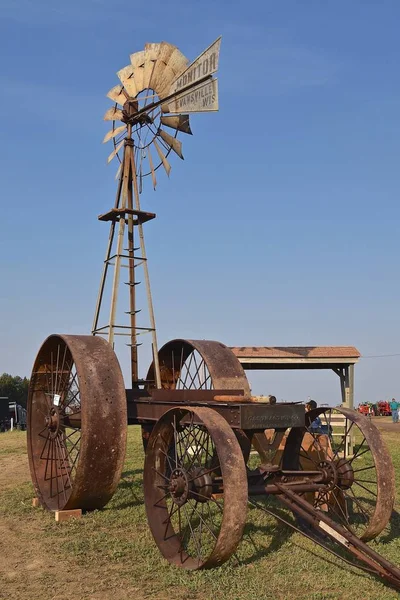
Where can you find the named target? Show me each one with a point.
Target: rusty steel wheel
(346, 443)
(76, 422)
(200, 365)
(195, 487)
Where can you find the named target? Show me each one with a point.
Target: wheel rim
(361, 494)
(199, 364)
(191, 457)
(76, 420)
(58, 442)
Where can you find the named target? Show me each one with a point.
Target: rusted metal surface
(182, 462)
(368, 471)
(141, 410)
(76, 380)
(219, 367)
(271, 416)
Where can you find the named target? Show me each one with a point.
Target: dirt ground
(28, 567)
(14, 470)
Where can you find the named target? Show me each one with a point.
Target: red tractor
(384, 408)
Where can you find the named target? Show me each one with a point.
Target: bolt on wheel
(195, 488)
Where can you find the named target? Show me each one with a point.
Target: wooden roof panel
(300, 352)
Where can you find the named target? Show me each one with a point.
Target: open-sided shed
(339, 359)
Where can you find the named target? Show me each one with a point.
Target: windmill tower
(157, 92)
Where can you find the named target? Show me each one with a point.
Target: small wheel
(76, 422)
(361, 493)
(195, 488)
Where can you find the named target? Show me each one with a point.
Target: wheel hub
(53, 422)
(330, 474)
(179, 486)
(202, 484)
(345, 474)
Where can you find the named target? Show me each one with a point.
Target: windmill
(157, 92)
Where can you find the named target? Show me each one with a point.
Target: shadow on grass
(392, 530)
(278, 535)
(331, 547)
(130, 491)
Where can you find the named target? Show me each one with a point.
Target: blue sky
(282, 225)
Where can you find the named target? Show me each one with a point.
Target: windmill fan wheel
(144, 83)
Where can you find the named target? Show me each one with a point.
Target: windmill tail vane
(157, 92)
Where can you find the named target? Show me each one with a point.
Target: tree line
(15, 388)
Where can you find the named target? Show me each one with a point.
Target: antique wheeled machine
(210, 445)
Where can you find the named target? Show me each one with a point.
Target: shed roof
(306, 357)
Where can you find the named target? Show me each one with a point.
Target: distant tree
(15, 388)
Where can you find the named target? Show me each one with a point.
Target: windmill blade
(165, 52)
(162, 70)
(178, 62)
(114, 132)
(113, 114)
(137, 61)
(164, 161)
(118, 173)
(148, 69)
(139, 78)
(163, 76)
(179, 122)
(117, 95)
(141, 174)
(175, 144)
(151, 51)
(126, 76)
(115, 151)
(153, 174)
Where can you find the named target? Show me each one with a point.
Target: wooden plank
(65, 515)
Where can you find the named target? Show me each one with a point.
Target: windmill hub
(130, 116)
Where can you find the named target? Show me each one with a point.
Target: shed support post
(346, 375)
(351, 386)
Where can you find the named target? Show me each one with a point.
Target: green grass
(110, 554)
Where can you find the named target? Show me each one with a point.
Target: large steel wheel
(76, 422)
(200, 365)
(195, 488)
(361, 495)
